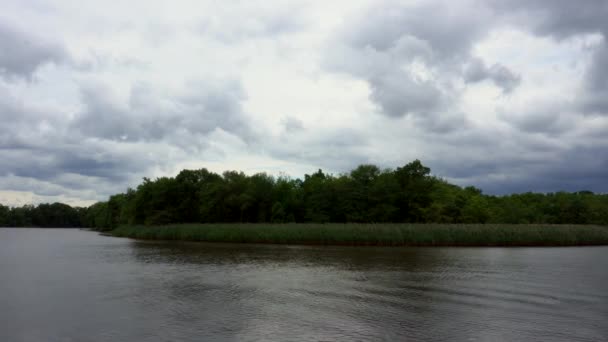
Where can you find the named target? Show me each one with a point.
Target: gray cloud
(443, 122)
(19, 121)
(245, 22)
(390, 44)
(578, 168)
(112, 142)
(49, 157)
(562, 19)
(454, 28)
(22, 53)
(41, 155)
(553, 118)
(595, 97)
(292, 124)
(396, 91)
(411, 65)
(502, 162)
(476, 71)
(557, 18)
(328, 148)
(399, 94)
(96, 171)
(150, 115)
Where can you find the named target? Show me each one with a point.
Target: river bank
(376, 234)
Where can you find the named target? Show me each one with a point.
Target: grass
(376, 234)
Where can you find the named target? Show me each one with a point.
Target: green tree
(318, 197)
(416, 186)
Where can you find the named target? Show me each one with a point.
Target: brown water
(73, 285)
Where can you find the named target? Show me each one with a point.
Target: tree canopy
(366, 194)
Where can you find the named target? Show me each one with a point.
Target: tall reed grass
(376, 234)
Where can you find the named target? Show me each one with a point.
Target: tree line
(366, 194)
(55, 215)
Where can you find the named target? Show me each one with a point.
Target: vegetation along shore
(366, 206)
(376, 234)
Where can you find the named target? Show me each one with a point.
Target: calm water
(73, 285)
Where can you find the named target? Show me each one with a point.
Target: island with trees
(367, 206)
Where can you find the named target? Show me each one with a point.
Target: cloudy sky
(508, 96)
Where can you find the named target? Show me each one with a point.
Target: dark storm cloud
(54, 156)
(22, 53)
(579, 168)
(47, 167)
(112, 168)
(510, 162)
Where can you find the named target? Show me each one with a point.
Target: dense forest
(366, 194)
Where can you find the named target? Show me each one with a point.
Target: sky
(506, 95)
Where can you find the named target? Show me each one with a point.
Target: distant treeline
(56, 215)
(365, 195)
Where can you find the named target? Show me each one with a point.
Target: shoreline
(411, 235)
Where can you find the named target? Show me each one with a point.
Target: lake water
(75, 285)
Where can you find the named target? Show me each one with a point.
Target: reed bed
(376, 234)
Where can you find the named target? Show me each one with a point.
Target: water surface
(74, 285)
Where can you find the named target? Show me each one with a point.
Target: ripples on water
(71, 285)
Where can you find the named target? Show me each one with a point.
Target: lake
(76, 285)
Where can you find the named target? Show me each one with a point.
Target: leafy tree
(416, 185)
(211, 195)
(318, 197)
